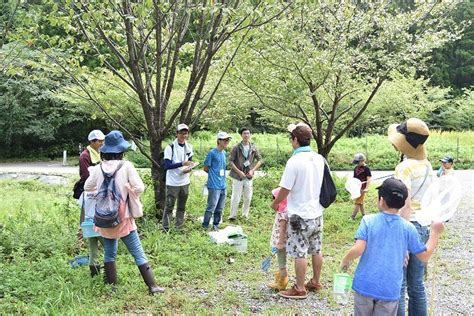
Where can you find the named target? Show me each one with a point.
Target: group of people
(392, 245)
(244, 160)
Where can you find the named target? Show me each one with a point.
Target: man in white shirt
(301, 184)
(178, 155)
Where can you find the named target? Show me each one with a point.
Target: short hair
(111, 156)
(243, 129)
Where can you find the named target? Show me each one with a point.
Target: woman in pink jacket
(127, 181)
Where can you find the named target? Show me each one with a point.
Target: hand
(437, 227)
(345, 265)
(274, 206)
(250, 174)
(187, 163)
(365, 190)
(241, 174)
(187, 170)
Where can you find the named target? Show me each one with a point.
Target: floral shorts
(307, 240)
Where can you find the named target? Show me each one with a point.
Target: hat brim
(116, 149)
(400, 142)
(356, 161)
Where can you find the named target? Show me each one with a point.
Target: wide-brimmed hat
(409, 137)
(114, 143)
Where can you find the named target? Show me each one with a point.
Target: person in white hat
(89, 157)
(215, 166)
(416, 172)
(177, 155)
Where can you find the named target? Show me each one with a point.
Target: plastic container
(87, 229)
(342, 285)
(239, 241)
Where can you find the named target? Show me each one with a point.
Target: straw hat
(409, 137)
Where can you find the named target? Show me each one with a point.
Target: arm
(170, 165)
(367, 183)
(91, 182)
(436, 230)
(257, 165)
(355, 252)
(84, 163)
(134, 180)
(283, 194)
(236, 170)
(405, 211)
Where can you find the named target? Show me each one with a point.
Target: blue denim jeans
(413, 282)
(215, 204)
(134, 246)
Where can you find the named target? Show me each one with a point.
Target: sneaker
(215, 228)
(294, 293)
(311, 286)
(353, 218)
(231, 219)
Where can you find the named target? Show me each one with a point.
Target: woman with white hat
(416, 172)
(127, 181)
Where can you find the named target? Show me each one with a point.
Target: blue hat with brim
(114, 143)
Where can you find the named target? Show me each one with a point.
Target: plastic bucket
(239, 242)
(342, 284)
(87, 227)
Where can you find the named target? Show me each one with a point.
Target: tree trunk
(159, 187)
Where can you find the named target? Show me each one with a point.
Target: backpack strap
(419, 188)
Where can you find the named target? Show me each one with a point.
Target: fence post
(65, 158)
(457, 148)
(366, 149)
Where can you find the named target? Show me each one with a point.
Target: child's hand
(274, 206)
(345, 265)
(437, 227)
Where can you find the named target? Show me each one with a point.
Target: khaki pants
(172, 194)
(244, 186)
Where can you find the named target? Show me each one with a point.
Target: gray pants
(94, 249)
(172, 194)
(364, 306)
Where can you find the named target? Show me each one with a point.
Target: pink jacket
(283, 204)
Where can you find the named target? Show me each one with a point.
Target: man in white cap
(301, 184)
(178, 162)
(90, 156)
(215, 166)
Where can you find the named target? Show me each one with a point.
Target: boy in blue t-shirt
(215, 165)
(382, 241)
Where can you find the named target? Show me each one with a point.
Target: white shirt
(175, 177)
(303, 176)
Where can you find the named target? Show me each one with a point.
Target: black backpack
(328, 188)
(162, 162)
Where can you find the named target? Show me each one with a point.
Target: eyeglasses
(183, 132)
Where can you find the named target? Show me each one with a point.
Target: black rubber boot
(95, 269)
(147, 274)
(110, 275)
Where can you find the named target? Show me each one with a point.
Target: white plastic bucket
(239, 242)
